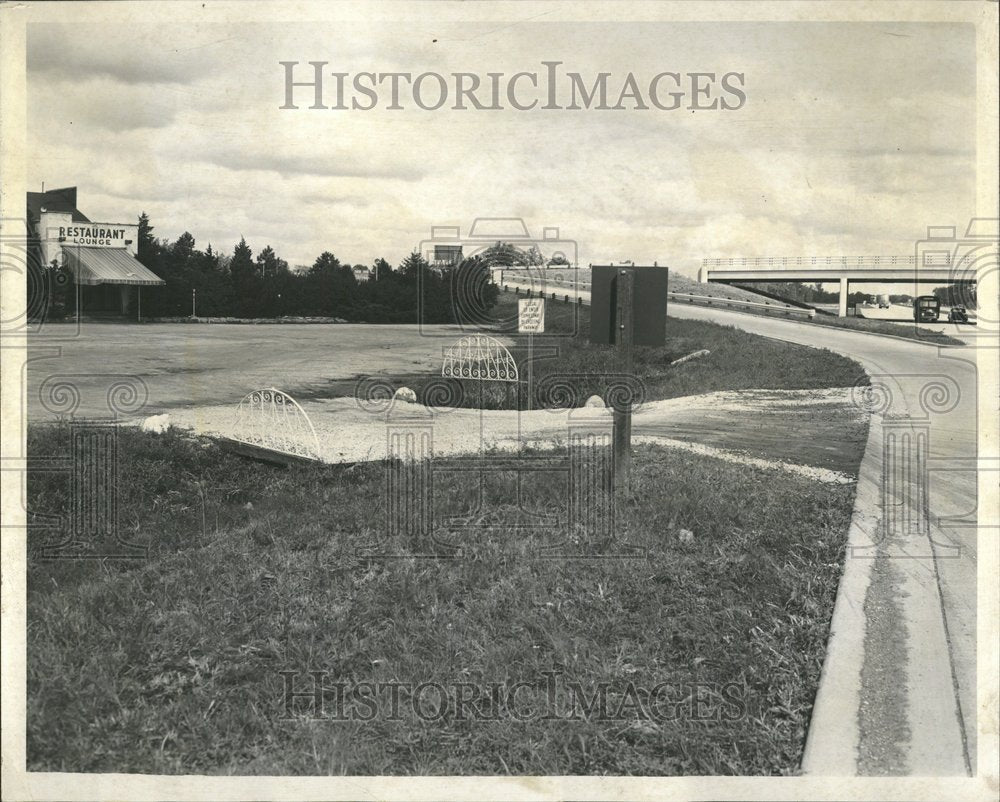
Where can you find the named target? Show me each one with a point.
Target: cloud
(851, 141)
(246, 156)
(142, 56)
(98, 103)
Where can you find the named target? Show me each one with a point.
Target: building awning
(107, 266)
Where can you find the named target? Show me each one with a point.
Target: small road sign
(531, 315)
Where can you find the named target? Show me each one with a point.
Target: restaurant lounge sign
(106, 235)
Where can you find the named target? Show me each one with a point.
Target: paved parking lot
(185, 365)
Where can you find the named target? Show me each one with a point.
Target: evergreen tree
(246, 284)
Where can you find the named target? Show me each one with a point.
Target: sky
(854, 137)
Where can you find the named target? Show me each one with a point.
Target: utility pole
(194, 293)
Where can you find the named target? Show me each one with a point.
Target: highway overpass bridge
(840, 269)
(944, 256)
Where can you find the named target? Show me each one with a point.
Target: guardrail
(752, 306)
(688, 298)
(790, 262)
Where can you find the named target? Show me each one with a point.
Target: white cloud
(853, 139)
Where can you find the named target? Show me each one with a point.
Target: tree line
(245, 285)
(961, 292)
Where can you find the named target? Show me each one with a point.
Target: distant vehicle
(926, 309)
(958, 314)
(883, 302)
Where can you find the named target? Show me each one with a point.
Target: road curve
(915, 374)
(925, 526)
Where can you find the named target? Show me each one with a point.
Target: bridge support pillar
(842, 304)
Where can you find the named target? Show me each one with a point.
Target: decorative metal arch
(273, 420)
(481, 357)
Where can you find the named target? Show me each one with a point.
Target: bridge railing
(816, 262)
(770, 309)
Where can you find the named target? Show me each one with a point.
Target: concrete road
(903, 315)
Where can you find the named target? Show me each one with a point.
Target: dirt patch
(882, 716)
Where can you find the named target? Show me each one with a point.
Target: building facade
(100, 256)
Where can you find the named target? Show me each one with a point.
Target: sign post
(531, 321)
(624, 336)
(628, 307)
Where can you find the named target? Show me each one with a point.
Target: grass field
(907, 331)
(179, 663)
(738, 361)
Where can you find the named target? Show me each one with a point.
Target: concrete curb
(834, 732)
(933, 743)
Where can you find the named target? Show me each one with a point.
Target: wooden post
(623, 417)
(531, 359)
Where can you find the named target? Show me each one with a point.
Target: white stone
(405, 394)
(156, 423)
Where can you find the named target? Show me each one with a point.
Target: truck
(883, 302)
(926, 309)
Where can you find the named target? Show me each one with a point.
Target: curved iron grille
(272, 419)
(481, 357)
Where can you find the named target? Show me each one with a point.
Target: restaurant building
(100, 256)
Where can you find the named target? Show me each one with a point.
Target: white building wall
(57, 230)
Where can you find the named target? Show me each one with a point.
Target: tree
(413, 265)
(960, 293)
(269, 264)
(246, 283)
(147, 246)
(534, 257)
(380, 269)
(326, 262)
(183, 249)
(504, 254)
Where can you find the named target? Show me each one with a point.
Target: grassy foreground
(707, 650)
(737, 360)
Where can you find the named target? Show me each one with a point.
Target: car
(958, 314)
